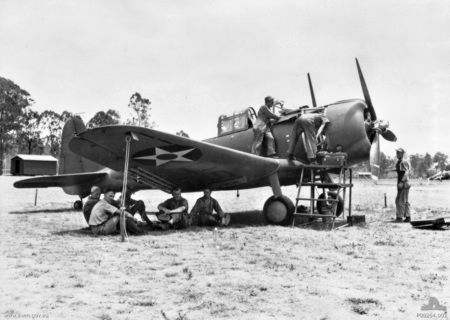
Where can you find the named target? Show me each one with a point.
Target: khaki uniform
(180, 219)
(307, 123)
(403, 186)
(261, 130)
(102, 220)
(202, 213)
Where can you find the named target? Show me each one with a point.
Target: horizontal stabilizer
(64, 180)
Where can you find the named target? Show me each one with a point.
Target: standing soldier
(262, 130)
(403, 186)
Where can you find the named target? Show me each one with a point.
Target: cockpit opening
(239, 121)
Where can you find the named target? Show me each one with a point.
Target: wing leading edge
(170, 160)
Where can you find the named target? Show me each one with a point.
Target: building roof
(35, 157)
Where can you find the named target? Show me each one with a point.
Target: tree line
(421, 165)
(28, 131)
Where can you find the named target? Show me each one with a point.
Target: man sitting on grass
(173, 211)
(91, 201)
(105, 217)
(202, 213)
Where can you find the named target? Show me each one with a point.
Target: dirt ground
(51, 267)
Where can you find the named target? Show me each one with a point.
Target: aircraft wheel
(278, 210)
(77, 205)
(321, 205)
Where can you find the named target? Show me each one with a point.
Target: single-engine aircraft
(159, 160)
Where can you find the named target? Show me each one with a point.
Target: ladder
(328, 201)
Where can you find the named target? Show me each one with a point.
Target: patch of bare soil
(52, 267)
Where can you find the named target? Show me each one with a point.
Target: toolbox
(332, 158)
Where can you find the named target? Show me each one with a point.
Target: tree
(441, 160)
(182, 134)
(50, 124)
(102, 118)
(140, 111)
(66, 115)
(13, 101)
(29, 136)
(386, 164)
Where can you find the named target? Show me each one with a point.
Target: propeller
(373, 115)
(389, 135)
(374, 160)
(377, 127)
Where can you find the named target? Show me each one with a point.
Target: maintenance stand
(330, 204)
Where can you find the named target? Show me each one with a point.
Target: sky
(196, 60)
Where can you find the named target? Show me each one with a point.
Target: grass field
(52, 267)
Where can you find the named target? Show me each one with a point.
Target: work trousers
(401, 203)
(106, 228)
(139, 207)
(180, 220)
(262, 133)
(306, 124)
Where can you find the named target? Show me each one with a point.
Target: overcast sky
(196, 60)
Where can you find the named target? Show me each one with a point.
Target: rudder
(70, 162)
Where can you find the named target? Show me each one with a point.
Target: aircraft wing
(163, 160)
(63, 180)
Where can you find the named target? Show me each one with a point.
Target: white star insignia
(162, 156)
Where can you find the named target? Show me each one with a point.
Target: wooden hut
(32, 164)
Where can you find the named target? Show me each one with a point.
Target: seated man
(202, 213)
(174, 210)
(312, 124)
(91, 201)
(132, 206)
(105, 217)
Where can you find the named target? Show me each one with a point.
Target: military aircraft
(443, 175)
(159, 160)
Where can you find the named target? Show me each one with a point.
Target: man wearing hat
(262, 131)
(403, 186)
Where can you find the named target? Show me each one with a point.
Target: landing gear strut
(278, 210)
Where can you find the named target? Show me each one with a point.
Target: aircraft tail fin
(70, 162)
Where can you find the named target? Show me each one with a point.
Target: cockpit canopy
(239, 121)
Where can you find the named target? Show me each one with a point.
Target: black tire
(278, 211)
(78, 205)
(320, 205)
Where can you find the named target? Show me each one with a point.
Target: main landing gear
(78, 205)
(278, 210)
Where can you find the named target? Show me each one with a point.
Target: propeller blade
(375, 157)
(389, 135)
(313, 98)
(373, 115)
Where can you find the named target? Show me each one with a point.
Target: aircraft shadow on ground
(57, 210)
(238, 220)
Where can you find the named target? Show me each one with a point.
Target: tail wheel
(278, 210)
(323, 206)
(77, 205)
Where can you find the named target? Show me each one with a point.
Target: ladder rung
(318, 199)
(316, 215)
(329, 185)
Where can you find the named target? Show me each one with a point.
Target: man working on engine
(312, 124)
